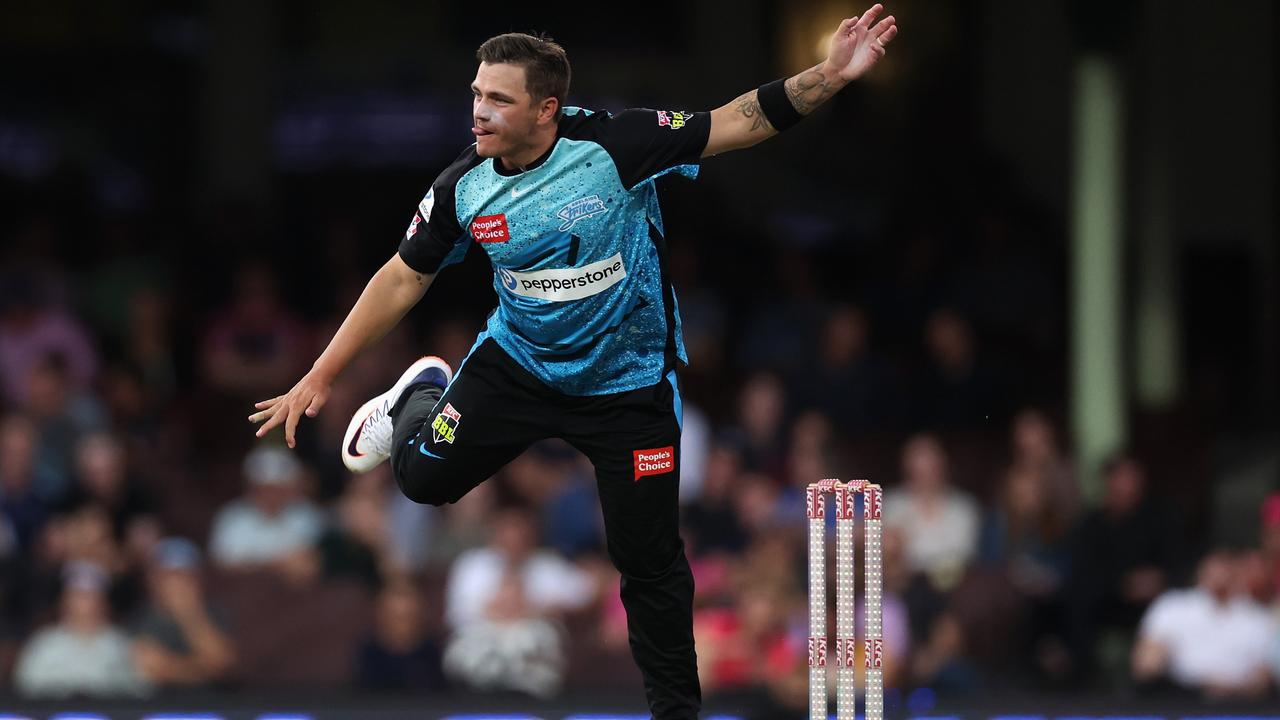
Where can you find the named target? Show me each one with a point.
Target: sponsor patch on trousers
(568, 283)
(654, 461)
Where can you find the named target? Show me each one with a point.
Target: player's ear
(549, 111)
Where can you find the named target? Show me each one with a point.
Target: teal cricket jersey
(576, 244)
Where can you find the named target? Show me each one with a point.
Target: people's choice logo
(565, 284)
(580, 209)
(655, 461)
(490, 229)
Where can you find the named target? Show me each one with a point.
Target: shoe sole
(359, 462)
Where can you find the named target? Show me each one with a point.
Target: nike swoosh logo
(515, 192)
(423, 449)
(351, 448)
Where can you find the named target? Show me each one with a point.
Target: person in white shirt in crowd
(274, 525)
(1212, 639)
(502, 603)
(83, 654)
(551, 583)
(940, 523)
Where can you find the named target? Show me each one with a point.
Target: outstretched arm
(856, 46)
(394, 289)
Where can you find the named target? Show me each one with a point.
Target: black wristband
(776, 106)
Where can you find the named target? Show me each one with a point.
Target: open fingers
(268, 403)
(888, 34)
(291, 425)
(276, 418)
(317, 402)
(883, 27)
(869, 16)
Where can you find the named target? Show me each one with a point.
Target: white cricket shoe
(368, 439)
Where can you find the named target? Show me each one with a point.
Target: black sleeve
(647, 143)
(434, 238)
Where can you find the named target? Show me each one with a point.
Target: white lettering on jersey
(428, 202)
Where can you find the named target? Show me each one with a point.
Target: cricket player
(585, 342)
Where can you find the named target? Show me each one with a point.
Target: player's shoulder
(464, 163)
(577, 123)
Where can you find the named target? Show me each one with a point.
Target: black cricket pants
(494, 409)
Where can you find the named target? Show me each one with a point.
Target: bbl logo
(673, 120)
(446, 424)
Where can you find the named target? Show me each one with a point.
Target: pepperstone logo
(655, 461)
(490, 229)
(508, 280)
(445, 426)
(580, 209)
(567, 283)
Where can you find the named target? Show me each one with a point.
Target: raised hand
(307, 397)
(859, 43)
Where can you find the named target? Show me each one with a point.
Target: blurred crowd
(149, 544)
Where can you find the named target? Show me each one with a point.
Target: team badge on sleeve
(413, 226)
(673, 119)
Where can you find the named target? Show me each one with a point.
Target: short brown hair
(546, 66)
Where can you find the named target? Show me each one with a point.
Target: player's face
(503, 113)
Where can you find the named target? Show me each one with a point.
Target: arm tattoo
(808, 90)
(749, 105)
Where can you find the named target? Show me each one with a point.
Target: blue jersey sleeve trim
(689, 171)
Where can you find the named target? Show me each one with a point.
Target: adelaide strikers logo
(445, 426)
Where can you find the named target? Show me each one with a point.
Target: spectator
(713, 524)
(32, 330)
(255, 345)
(958, 389)
(550, 584)
(1123, 554)
(940, 523)
(1024, 535)
(63, 415)
(1212, 638)
(1024, 553)
(179, 640)
(83, 654)
(274, 525)
(356, 543)
(401, 654)
(103, 480)
(509, 646)
(745, 645)
(762, 406)
(1035, 448)
(24, 513)
(845, 381)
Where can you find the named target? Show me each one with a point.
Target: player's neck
(529, 156)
